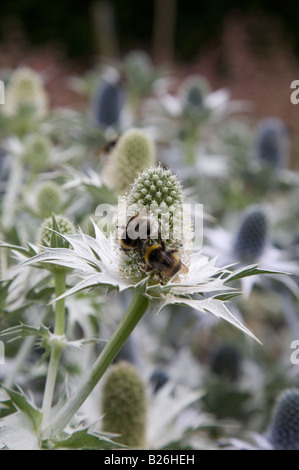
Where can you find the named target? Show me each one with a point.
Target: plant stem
(56, 346)
(133, 315)
(10, 197)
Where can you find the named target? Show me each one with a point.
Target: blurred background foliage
(239, 45)
(68, 22)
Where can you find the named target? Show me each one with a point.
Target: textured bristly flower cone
(49, 225)
(102, 262)
(284, 430)
(48, 197)
(272, 143)
(157, 193)
(124, 405)
(252, 235)
(36, 152)
(133, 152)
(107, 105)
(25, 89)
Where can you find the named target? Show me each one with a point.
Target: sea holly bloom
(103, 262)
(25, 89)
(251, 243)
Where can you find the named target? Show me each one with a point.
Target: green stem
(56, 346)
(133, 315)
(11, 196)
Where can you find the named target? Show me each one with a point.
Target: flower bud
(124, 405)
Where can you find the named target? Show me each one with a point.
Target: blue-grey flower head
(252, 236)
(284, 429)
(226, 362)
(272, 143)
(108, 104)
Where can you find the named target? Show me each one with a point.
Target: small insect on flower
(166, 262)
(108, 146)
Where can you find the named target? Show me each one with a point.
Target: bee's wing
(184, 269)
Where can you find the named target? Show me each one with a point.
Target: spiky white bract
(95, 261)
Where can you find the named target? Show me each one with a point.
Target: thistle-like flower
(133, 153)
(226, 362)
(25, 89)
(251, 243)
(251, 238)
(61, 224)
(108, 103)
(36, 152)
(48, 197)
(124, 405)
(284, 429)
(272, 143)
(102, 261)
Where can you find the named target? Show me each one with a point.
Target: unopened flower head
(58, 222)
(124, 405)
(48, 197)
(133, 153)
(153, 208)
(25, 89)
(36, 152)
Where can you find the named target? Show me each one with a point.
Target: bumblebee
(165, 262)
(139, 229)
(107, 148)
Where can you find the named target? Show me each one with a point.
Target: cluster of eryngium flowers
(101, 261)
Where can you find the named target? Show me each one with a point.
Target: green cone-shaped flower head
(124, 405)
(48, 197)
(25, 89)
(36, 152)
(155, 200)
(60, 224)
(133, 153)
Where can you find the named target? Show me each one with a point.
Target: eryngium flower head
(48, 197)
(25, 89)
(272, 143)
(226, 362)
(124, 405)
(157, 193)
(107, 104)
(105, 260)
(284, 429)
(193, 92)
(252, 236)
(133, 152)
(36, 152)
(59, 223)
(158, 379)
(139, 73)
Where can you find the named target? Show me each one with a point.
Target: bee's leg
(163, 244)
(148, 268)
